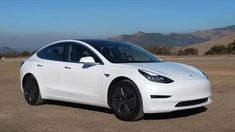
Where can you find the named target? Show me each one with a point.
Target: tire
(31, 91)
(126, 101)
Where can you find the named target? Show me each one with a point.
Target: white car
(117, 75)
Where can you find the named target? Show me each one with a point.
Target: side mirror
(87, 59)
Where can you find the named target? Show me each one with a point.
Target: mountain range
(202, 40)
(7, 50)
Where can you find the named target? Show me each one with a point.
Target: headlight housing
(155, 77)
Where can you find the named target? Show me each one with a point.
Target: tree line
(17, 54)
(162, 50)
(221, 49)
(215, 50)
(158, 50)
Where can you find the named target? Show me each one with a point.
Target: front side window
(76, 52)
(56, 52)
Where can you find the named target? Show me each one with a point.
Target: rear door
(51, 66)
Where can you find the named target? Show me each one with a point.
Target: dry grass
(205, 46)
(16, 115)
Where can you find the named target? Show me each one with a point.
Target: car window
(56, 52)
(76, 52)
(133, 55)
(124, 54)
(121, 52)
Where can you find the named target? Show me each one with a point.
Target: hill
(205, 46)
(214, 33)
(7, 50)
(171, 40)
(202, 40)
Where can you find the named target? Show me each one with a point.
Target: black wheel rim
(124, 102)
(30, 91)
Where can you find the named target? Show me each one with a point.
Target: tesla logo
(107, 75)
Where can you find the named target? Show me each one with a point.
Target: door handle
(39, 65)
(66, 67)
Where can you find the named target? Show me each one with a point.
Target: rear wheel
(31, 91)
(126, 101)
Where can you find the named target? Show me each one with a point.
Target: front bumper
(159, 98)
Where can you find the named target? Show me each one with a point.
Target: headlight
(154, 77)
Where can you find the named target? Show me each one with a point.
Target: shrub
(188, 51)
(160, 50)
(25, 54)
(231, 48)
(217, 50)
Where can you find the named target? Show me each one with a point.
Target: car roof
(97, 42)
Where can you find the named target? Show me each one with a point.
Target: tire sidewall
(139, 107)
(33, 79)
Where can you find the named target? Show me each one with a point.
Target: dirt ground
(17, 115)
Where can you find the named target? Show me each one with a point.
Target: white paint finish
(87, 83)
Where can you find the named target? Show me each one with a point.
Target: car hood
(170, 69)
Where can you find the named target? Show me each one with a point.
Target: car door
(83, 82)
(50, 67)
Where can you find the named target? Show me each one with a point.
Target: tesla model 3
(117, 75)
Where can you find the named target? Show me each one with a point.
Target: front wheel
(126, 101)
(31, 91)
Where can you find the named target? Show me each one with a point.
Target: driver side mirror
(87, 59)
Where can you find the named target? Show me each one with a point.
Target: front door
(82, 82)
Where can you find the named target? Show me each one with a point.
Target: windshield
(118, 52)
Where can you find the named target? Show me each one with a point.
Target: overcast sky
(29, 24)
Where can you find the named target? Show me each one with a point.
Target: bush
(188, 51)
(25, 54)
(217, 50)
(231, 48)
(160, 50)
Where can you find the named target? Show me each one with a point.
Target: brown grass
(205, 46)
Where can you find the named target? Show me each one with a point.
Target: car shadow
(175, 114)
(158, 116)
(79, 106)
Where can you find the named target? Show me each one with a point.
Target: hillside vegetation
(200, 40)
(221, 49)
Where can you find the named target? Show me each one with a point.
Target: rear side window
(56, 52)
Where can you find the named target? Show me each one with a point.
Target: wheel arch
(24, 77)
(112, 84)
(39, 99)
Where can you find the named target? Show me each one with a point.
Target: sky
(28, 21)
